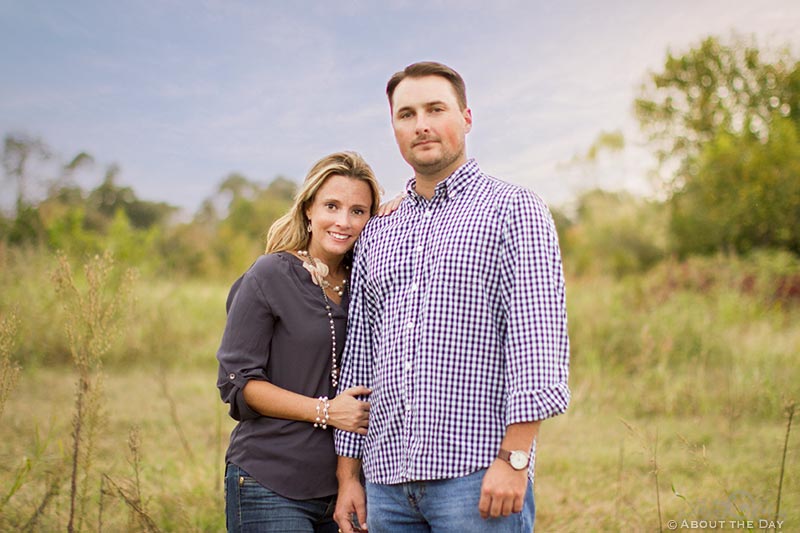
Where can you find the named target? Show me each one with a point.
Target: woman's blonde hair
(289, 232)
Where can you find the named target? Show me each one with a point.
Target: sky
(182, 93)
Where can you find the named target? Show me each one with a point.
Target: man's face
(429, 126)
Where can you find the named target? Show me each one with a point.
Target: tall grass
(700, 353)
(171, 322)
(91, 321)
(9, 370)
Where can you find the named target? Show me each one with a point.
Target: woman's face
(338, 213)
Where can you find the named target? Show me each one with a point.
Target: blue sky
(180, 93)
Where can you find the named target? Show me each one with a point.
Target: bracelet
(322, 412)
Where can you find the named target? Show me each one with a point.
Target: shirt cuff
(529, 406)
(348, 444)
(243, 410)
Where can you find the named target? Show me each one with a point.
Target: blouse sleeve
(245, 348)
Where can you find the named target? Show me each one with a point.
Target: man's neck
(426, 183)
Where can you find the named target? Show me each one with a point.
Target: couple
(456, 342)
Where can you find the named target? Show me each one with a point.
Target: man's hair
(429, 68)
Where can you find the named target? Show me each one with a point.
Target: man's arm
(503, 488)
(536, 347)
(351, 499)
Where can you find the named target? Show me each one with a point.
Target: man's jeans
(251, 508)
(448, 505)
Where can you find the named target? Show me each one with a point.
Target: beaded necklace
(319, 271)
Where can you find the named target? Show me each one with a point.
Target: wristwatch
(516, 458)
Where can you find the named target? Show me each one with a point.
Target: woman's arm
(345, 411)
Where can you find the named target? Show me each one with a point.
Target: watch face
(518, 460)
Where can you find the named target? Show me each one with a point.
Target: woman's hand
(348, 413)
(391, 206)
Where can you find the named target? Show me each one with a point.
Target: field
(682, 382)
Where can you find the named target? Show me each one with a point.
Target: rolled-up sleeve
(537, 343)
(245, 348)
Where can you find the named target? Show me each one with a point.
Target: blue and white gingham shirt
(458, 324)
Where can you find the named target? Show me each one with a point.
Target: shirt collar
(453, 184)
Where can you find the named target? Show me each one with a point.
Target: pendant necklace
(319, 271)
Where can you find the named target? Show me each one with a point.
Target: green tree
(18, 152)
(724, 121)
(745, 195)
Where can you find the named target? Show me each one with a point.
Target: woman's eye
(358, 211)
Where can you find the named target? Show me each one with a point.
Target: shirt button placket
(414, 300)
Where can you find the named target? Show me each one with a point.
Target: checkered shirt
(458, 325)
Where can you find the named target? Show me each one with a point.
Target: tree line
(722, 118)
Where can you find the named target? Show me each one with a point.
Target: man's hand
(351, 500)
(503, 490)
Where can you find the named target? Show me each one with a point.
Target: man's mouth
(423, 142)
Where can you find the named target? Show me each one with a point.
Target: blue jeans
(252, 508)
(440, 506)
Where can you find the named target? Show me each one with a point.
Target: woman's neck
(333, 262)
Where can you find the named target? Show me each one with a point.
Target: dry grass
(593, 472)
(688, 379)
(180, 494)
(704, 472)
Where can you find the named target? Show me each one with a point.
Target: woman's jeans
(441, 506)
(251, 508)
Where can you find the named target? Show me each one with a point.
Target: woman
(279, 356)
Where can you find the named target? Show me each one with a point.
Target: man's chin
(428, 165)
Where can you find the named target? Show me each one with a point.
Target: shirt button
(408, 407)
(414, 286)
(410, 325)
(428, 214)
(420, 248)
(231, 376)
(408, 365)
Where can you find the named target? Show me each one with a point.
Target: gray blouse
(278, 331)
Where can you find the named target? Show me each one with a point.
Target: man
(458, 325)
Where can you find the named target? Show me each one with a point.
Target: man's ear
(467, 119)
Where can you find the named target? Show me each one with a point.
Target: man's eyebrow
(425, 104)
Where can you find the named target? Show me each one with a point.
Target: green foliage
(19, 151)
(27, 227)
(140, 233)
(745, 195)
(725, 122)
(611, 141)
(713, 88)
(613, 233)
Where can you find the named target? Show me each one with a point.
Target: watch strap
(505, 455)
